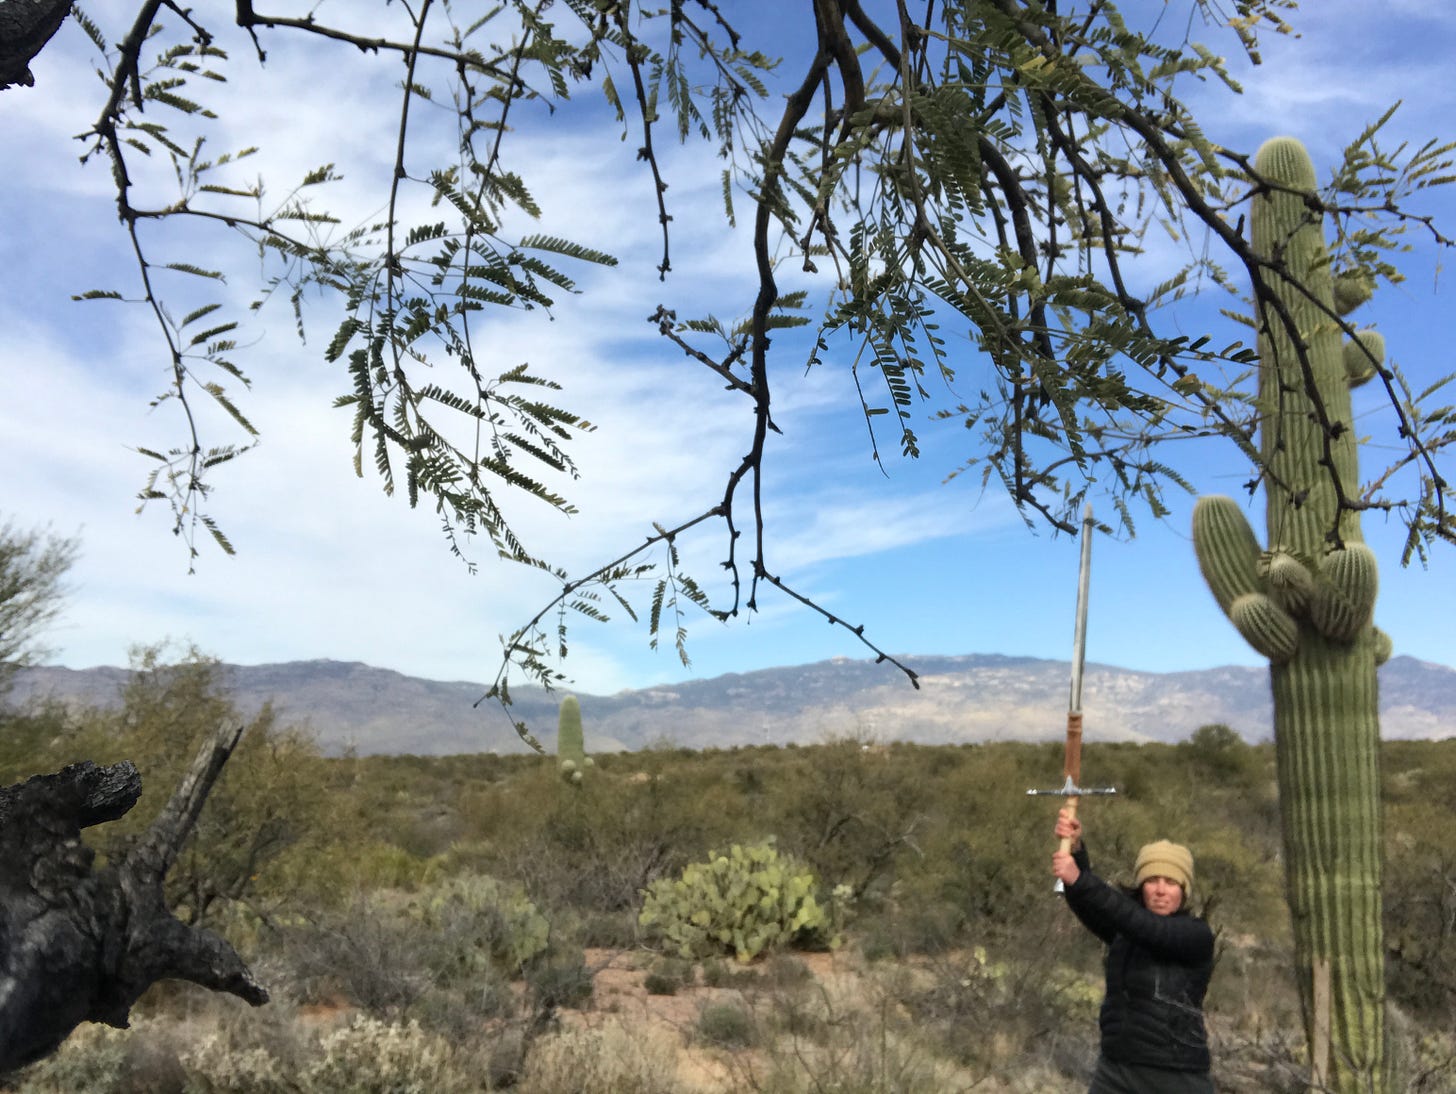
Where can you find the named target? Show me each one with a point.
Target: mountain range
(961, 699)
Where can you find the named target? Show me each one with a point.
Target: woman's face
(1162, 895)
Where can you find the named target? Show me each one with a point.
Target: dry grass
(792, 1024)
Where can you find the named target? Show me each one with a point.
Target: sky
(329, 567)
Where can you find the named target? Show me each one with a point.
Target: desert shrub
(747, 900)
(34, 739)
(727, 1025)
(367, 1056)
(458, 1015)
(656, 983)
(785, 972)
(863, 1049)
(803, 1016)
(588, 1061)
(850, 810)
(98, 1059)
(1420, 907)
(478, 924)
(726, 972)
(333, 874)
(362, 1056)
(1027, 1007)
(976, 878)
(443, 956)
(92, 1059)
(589, 848)
(216, 1066)
(557, 978)
(264, 802)
(1236, 884)
(615, 928)
(789, 1000)
(368, 952)
(667, 975)
(1217, 751)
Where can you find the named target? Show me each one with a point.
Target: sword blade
(1072, 791)
(1079, 634)
(1072, 754)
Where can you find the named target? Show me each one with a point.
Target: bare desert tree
(33, 566)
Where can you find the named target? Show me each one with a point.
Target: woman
(1159, 960)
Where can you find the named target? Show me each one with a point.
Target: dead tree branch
(79, 944)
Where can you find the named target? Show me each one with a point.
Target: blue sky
(327, 567)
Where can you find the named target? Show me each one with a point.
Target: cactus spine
(570, 743)
(1305, 602)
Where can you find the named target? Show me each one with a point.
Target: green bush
(98, 1059)
(657, 983)
(727, 1025)
(557, 979)
(667, 975)
(747, 901)
(370, 1057)
(480, 925)
(851, 810)
(362, 866)
(92, 1059)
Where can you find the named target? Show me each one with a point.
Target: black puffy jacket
(1158, 968)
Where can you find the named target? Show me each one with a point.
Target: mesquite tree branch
(980, 176)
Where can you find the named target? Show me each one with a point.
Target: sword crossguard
(1069, 789)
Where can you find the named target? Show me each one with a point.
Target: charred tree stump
(25, 28)
(82, 945)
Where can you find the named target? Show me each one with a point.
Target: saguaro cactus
(1306, 602)
(570, 744)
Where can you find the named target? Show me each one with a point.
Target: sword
(1071, 790)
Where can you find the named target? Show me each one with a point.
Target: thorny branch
(646, 153)
(469, 59)
(1015, 238)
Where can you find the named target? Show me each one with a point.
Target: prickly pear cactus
(745, 901)
(1305, 601)
(570, 746)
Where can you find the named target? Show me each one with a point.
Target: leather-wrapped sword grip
(1072, 765)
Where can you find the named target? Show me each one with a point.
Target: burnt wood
(81, 944)
(25, 27)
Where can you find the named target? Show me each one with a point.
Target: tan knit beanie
(1166, 859)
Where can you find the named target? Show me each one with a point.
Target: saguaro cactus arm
(1363, 356)
(1344, 596)
(1231, 561)
(1228, 553)
(1290, 583)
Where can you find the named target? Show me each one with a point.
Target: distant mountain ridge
(974, 697)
